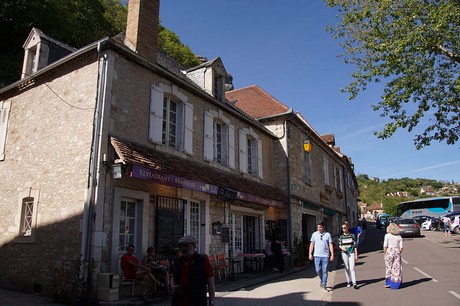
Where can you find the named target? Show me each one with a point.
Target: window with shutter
(250, 153)
(4, 114)
(171, 120)
(219, 139)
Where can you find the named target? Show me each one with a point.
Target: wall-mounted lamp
(216, 228)
(117, 171)
(307, 146)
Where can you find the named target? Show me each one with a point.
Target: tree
(414, 46)
(74, 22)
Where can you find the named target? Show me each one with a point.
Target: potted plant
(299, 251)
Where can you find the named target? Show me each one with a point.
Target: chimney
(142, 27)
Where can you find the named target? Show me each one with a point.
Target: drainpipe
(288, 173)
(93, 174)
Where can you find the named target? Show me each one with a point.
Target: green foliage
(300, 252)
(414, 46)
(385, 192)
(170, 43)
(74, 22)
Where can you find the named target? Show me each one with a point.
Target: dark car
(408, 227)
(382, 220)
(421, 219)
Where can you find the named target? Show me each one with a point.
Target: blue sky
(282, 47)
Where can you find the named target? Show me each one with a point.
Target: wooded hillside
(393, 191)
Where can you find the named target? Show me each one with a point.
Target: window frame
(160, 124)
(29, 200)
(211, 146)
(244, 133)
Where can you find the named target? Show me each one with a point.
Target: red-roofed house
(318, 179)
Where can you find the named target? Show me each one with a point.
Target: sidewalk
(242, 280)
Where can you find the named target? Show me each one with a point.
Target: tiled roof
(329, 139)
(256, 102)
(133, 153)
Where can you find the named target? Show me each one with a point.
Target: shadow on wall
(49, 266)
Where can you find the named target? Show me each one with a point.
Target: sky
(282, 47)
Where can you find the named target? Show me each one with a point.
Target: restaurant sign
(176, 181)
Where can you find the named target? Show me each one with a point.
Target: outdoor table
(253, 257)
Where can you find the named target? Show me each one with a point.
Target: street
(430, 277)
(430, 272)
(430, 267)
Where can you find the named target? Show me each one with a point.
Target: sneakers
(324, 289)
(348, 285)
(355, 286)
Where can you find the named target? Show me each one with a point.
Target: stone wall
(47, 153)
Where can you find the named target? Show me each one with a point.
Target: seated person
(134, 270)
(155, 266)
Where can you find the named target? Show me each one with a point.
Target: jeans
(349, 262)
(321, 264)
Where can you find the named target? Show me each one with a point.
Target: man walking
(321, 251)
(193, 276)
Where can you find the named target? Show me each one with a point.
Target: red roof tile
(133, 153)
(256, 102)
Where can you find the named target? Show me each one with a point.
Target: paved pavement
(242, 281)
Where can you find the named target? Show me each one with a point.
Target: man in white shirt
(321, 251)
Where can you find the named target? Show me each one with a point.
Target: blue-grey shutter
(259, 159)
(156, 114)
(188, 133)
(243, 149)
(208, 150)
(231, 146)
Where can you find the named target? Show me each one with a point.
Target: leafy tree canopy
(414, 46)
(75, 22)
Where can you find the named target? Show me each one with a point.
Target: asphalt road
(431, 272)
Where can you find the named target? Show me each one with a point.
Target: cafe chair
(214, 266)
(222, 265)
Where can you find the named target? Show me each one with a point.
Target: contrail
(424, 168)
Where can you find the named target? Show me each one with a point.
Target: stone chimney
(142, 27)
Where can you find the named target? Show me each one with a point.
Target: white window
(4, 114)
(307, 167)
(27, 216)
(250, 152)
(220, 143)
(219, 139)
(326, 171)
(127, 233)
(171, 119)
(252, 156)
(171, 129)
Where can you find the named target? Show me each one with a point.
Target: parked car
(421, 219)
(408, 227)
(382, 220)
(393, 219)
(431, 224)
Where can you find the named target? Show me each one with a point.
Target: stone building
(318, 179)
(113, 144)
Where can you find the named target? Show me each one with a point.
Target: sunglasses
(321, 236)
